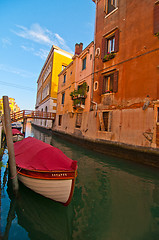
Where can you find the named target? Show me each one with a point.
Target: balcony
(79, 102)
(107, 99)
(79, 96)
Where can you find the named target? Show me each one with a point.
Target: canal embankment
(142, 155)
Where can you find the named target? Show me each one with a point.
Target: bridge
(24, 114)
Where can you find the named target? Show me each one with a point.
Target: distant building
(12, 104)
(47, 84)
(75, 91)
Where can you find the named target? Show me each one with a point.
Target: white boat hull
(57, 190)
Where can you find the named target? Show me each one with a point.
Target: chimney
(78, 48)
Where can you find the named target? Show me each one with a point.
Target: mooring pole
(9, 137)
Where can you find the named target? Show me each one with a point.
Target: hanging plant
(81, 92)
(157, 35)
(108, 56)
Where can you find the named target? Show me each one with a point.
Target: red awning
(33, 154)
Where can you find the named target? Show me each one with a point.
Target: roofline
(89, 45)
(49, 55)
(65, 68)
(76, 55)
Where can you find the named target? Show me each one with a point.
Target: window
(45, 92)
(64, 78)
(95, 85)
(110, 5)
(105, 119)
(110, 43)
(63, 98)
(78, 120)
(84, 63)
(110, 83)
(63, 67)
(60, 120)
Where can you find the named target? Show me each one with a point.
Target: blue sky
(28, 28)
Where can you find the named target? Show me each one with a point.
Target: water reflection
(113, 200)
(41, 217)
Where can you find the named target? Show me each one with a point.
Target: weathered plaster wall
(128, 126)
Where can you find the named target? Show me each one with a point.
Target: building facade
(124, 94)
(12, 104)
(74, 93)
(47, 84)
(126, 73)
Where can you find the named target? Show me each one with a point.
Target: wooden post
(24, 125)
(9, 137)
(0, 134)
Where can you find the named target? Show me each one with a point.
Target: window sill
(111, 12)
(108, 93)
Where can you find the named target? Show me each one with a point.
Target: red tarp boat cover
(15, 131)
(33, 154)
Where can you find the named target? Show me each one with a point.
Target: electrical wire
(17, 86)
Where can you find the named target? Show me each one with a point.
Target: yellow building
(12, 104)
(47, 84)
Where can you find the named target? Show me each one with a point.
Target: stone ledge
(142, 155)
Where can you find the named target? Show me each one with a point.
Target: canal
(113, 200)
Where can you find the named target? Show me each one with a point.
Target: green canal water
(113, 200)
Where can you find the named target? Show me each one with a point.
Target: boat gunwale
(48, 175)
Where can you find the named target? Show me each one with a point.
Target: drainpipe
(94, 54)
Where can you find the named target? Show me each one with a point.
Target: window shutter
(104, 44)
(100, 82)
(103, 85)
(101, 121)
(156, 18)
(115, 82)
(116, 41)
(110, 122)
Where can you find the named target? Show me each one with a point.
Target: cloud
(62, 43)
(20, 72)
(42, 53)
(41, 35)
(36, 33)
(6, 42)
(28, 49)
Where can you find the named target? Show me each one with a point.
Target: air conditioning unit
(97, 52)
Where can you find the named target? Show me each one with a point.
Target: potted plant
(157, 35)
(81, 92)
(108, 56)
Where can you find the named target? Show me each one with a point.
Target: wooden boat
(45, 169)
(17, 135)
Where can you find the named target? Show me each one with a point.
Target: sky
(28, 29)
